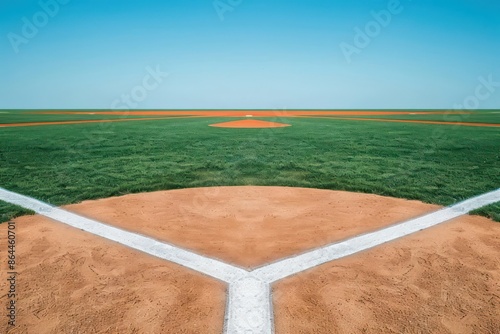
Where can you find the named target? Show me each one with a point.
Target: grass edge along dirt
(9, 211)
(71, 163)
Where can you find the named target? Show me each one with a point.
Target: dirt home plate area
(444, 279)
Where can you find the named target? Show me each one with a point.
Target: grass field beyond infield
(64, 164)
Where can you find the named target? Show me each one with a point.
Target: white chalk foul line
(291, 266)
(202, 264)
(249, 302)
(249, 307)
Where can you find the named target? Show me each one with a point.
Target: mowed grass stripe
(490, 117)
(68, 164)
(390, 120)
(482, 118)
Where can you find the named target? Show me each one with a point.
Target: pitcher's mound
(250, 124)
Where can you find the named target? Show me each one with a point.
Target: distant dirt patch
(80, 122)
(250, 124)
(255, 113)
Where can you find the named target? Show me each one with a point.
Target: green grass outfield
(63, 164)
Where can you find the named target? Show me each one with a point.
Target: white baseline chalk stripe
(202, 264)
(291, 266)
(250, 308)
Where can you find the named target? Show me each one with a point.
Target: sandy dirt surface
(72, 282)
(251, 226)
(250, 124)
(442, 280)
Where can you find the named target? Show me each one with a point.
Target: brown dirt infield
(250, 124)
(70, 281)
(251, 226)
(443, 280)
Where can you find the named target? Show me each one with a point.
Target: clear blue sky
(263, 54)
